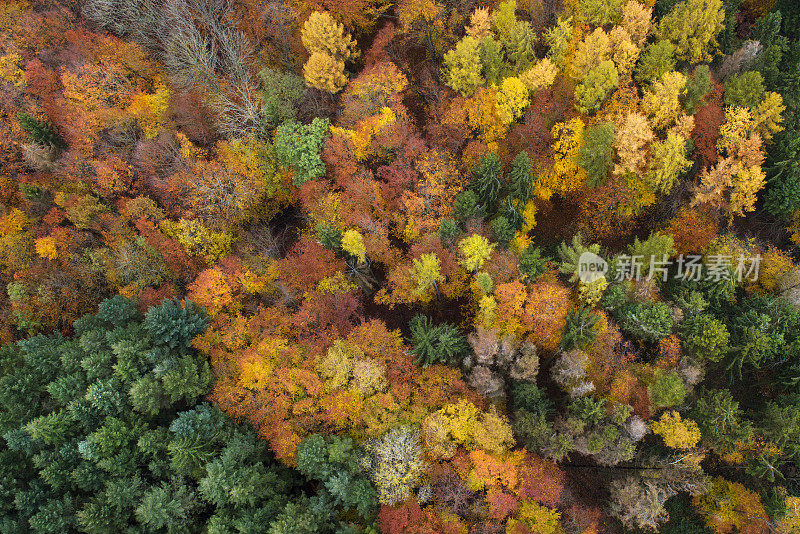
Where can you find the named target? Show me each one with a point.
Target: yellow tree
(329, 46)
(676, 433)
(693, 26)
(662, 101)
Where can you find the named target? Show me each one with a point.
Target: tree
(596, 86)
(396, 464)
(597, 152)
(692, 26)
(475, 250)
(663, 101)
(512, 99)
(329, 46)
(436, 343)
(706, 337)
(720, 420)
(676, 433)
(668, 162)
(569, 256)
(325, 72)
(116, 448)
(729, 506)
(745, 90)
(591, 52)
(462, 66)
(299, 145)
(698, 86)
(322, 34)
(600, 13)
(656, 60)
(666, 390)
(649, 321)
(426, 274)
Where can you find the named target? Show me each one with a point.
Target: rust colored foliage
(692, 229)
(706, 128)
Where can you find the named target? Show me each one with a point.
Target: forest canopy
(399, 266)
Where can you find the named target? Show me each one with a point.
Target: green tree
(698, 86)
(441, 343)
(657, 59)
(298, 146)
(666, 390)
(706, 337)
(720, 420)
(693, 27)
(745, 90)
(596, 86)
(597, 152)
(462, 66)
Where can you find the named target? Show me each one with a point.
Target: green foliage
(697, 87)
(502, 230)
(81, 458)
(654, 249)
(486, 183)
(597, 152)
(465, 205)
(666, 390)
(173, 325)
(335, 463)
(490, 52)
(745, 90)
(299, 147)
(720, 420)
(281, 91)
(569, 255)
(656, 60)
(532, 264)
(596, 86)
(579, 331)
(448, 231)
(40, 132)
(705, 337)
(441, 343)
(648, 321)
(521, 46)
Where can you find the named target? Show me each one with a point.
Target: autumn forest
(400, 266)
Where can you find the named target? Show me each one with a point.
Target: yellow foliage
(767, 116)
(537, 518)
(512, 99)
(662, 101)
(475, 250)
(336, 284)
(565, 175)
(325, 72)
(150, 110)
(540, 76)
(486, 311)
(199, 240)
(46, 248)
(323, 35)
(790, 523)
(10, 69)
(353, 244)
(676, 433)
